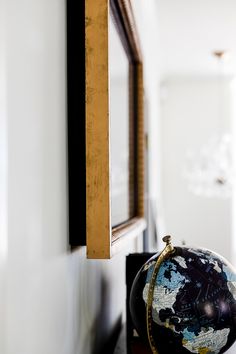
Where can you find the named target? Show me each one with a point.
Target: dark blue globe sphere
(194, 302)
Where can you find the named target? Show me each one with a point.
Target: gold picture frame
(102, 240)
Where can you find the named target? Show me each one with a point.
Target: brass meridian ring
(168, 250)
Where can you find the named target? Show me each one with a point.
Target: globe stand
(133, 263)
(165, 254)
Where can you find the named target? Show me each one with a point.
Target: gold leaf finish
(103, 241)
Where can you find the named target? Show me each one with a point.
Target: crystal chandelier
(209, 172)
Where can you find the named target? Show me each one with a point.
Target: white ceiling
(190, 30)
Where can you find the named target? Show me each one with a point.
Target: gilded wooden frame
(103, 241)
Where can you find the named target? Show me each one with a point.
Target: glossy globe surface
(194, 302)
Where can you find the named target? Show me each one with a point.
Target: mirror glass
(121, 210)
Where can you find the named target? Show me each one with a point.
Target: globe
(193, 308)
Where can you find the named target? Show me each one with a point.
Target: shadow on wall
(105, 338)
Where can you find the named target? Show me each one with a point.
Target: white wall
(233, 122)
(53, 297)
(190, 116)
(3, 181)
(57, 302)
